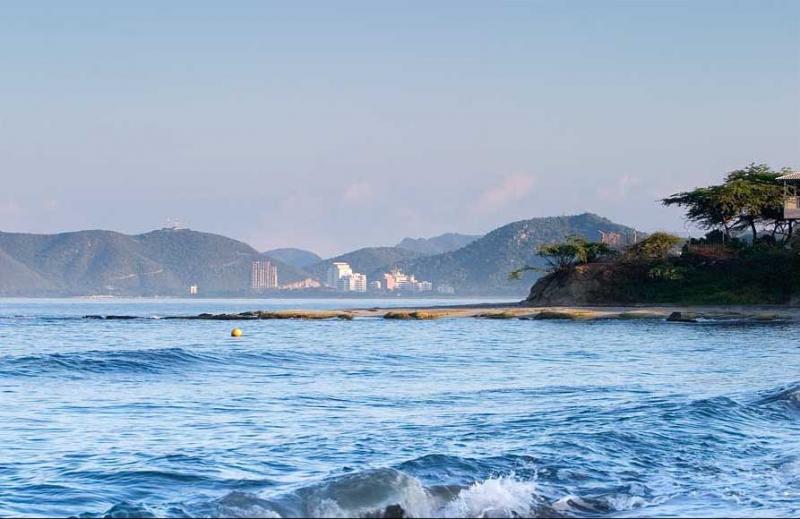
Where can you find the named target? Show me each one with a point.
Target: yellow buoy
(236, 332)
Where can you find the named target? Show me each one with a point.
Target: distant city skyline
(331, 127)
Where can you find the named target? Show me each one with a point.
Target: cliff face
(566, 288)
(581, 286)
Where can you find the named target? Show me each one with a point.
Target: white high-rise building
(354, 282)
(263, 276)
(341, 277)
(359, 282)
(337, 271)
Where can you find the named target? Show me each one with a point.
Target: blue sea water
(455, 417)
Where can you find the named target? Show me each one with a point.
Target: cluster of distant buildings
(340, 277)
(617, 240)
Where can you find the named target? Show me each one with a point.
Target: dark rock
(680, 317)
(582, 285)
(394, 512)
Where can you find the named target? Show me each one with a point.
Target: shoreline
(518, 311)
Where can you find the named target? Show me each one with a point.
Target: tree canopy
(749, 198)
(562, 256)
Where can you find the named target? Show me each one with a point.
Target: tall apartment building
(341, 277)
(358, 282)
(263, 276)
(336, 271)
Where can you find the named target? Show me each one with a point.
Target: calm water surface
(445, 418)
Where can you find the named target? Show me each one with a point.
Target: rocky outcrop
(583, 285)
(682, 317)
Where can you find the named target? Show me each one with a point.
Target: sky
(338, 125)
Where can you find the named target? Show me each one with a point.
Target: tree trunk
(755, 231)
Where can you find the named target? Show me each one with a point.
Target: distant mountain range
(164, 262)
(168, 261)
(483, 265)
(438, 244)
(299, 258)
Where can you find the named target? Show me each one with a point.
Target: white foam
(495, 497)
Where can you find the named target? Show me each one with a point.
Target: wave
(788, 397)
(387, 492)
(391, 493)
(153, 361)
(98, 361)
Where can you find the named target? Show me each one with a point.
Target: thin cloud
(511, 189)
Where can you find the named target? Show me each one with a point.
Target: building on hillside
(424, 286)
(612, 239)
(192, 290)
(263, 275)
(375, 285)
(336, 271)
(303, 284)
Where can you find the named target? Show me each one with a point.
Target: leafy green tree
(655, 247)
(758, 194)
(706, 207)
(563, 256)
(748, 198)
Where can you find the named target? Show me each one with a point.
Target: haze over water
(449, 418)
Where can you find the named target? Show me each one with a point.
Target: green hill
(298, 258)
(438, 244)
(164, 262)
(483, 265)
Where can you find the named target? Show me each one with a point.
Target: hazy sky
(336, 125)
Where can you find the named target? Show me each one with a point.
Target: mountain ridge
(446, 242)
(483, 265)
(300, 258)
(167, 262)
(100, 262)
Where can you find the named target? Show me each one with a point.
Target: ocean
(369, 417)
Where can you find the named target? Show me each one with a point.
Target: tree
(707, 207)
(563, 256)
(747, 198)
(657, 246)
(759, 196)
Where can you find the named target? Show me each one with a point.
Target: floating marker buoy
(236, 332)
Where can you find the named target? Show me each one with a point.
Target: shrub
(655, 247)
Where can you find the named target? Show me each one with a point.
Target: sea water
(454, 417)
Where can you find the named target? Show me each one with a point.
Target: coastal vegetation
(750, 254)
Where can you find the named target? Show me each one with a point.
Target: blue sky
(335, 125)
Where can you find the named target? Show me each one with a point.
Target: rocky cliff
(584, 285)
